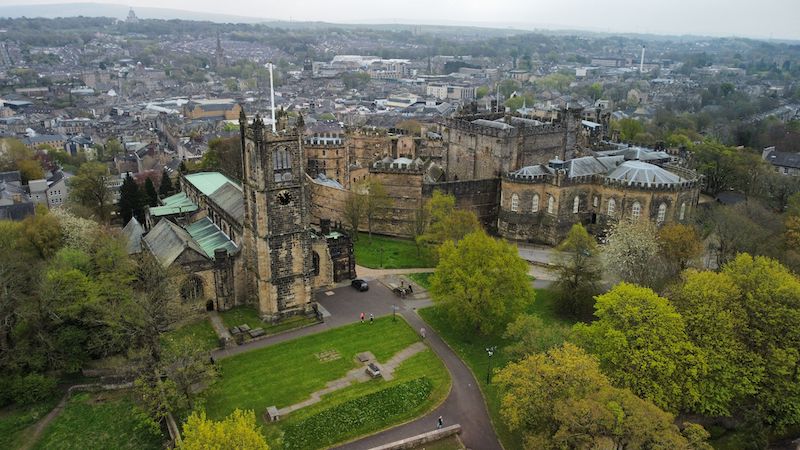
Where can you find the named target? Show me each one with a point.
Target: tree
(165, 187)
(112, 148)
(631, 253)
(561, 399)
(30, 169)
(481, 283)
(746, 227)
(528, 334)
(446, 222)
(88, 188)
(238, 431)
(150, 192)
(519, 101)
(131, 200)
(354, 208)
(578, 273)
(679, 245)
(12, 151)
(717, 323)
(419, 223)
(628, 128)
(376, 203)
(641, 342)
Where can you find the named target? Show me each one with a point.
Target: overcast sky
(753, 18)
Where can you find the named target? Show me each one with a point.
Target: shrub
(32, 388)
(337, 423)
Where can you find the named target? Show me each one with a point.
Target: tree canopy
(238, 431)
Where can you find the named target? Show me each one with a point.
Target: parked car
(360, 284)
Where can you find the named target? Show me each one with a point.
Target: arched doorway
(210, 305)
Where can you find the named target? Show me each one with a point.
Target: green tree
(519, 101)
(165, 187)
(578, 273)
(508, 87)
(679, 245)
(481, 283)
(628, 129)
(718, 324)
(131, 201)
(237, 431)
(529, 334)
(446, 222)
(89, 189)
(112, 149)
(419, 223)
(30, 169)
(641, 342)
(561, 399)
(354, 208)
(150, 192)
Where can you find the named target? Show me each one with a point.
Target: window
(683, 210)
(535, 207)
(636, 210)
(612, 207)
(551, 203)
(595, 201)
(662, 213)
(192, 288)
(514, 202)
(282, 160)
(576, 204)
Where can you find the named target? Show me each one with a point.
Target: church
(249, 243)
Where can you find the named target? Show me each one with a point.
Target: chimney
(325, 226)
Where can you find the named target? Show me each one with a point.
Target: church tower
(277, 234)
(219, 56)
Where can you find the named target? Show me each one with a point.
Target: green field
(14, 420)
(248, 315)
(422, 279)
(200, 332)
(103, 420)
(472, 349)
(384, 252)
(289, 372)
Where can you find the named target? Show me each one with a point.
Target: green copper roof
(174, 204)
(210, 238)
(208, 182)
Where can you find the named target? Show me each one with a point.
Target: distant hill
(118, 12)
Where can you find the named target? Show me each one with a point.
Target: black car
(360, 284)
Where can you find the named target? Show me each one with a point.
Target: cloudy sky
(752, 18)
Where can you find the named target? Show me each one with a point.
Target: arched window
(683, 211)
(535, 206)
(595, 201)
(192, 288)
(576, 204)
(662, 213)
(636, 210)
(514, 202)
(282, 160)
(315, 262)
(551, 203)
(612, 207)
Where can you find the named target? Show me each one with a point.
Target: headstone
(272, 413)
(256, 332)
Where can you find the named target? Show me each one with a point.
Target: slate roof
(229, 198)
(638, 172)
(167, 241)
(17, 211)
(784, 159)
(209, 237)
(208, 182)
(587, 165)
(132, 233)
(11, 177)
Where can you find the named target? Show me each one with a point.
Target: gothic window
(282, 160)
(612, 207)
(595, 201)
(551, 203)
(315, 262)
(535, 207)
(636, 210)
(514, 202)
(192, 288)
(662, 213)
(576, 204)
(683, 211)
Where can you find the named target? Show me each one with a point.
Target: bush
(32, 388)
(337, 423)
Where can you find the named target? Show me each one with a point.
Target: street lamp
(490, 351)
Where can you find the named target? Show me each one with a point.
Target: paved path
(464, 405)
(219, 325)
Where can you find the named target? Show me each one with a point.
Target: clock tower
(277, 237)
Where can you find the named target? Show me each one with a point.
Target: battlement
(502, 130)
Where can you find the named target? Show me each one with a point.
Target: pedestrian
(362, 317)
(422, 332)
(439, 422)
(371, 318)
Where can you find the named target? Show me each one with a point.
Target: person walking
(422, 332)
(362, 317)
(371, 318)
(439, 422)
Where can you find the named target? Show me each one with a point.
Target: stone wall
(480, 196)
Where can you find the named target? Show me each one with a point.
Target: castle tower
(277, 234)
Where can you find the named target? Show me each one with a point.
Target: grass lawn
(200, 332)
(384, 252)
(241, 315)
(472, 349)
(288, 372)
(422, 279)
(14, 420)
(425, 364)
(99, 421)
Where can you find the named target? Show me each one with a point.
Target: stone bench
(273, 414)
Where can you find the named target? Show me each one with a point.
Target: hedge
(361, 414)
